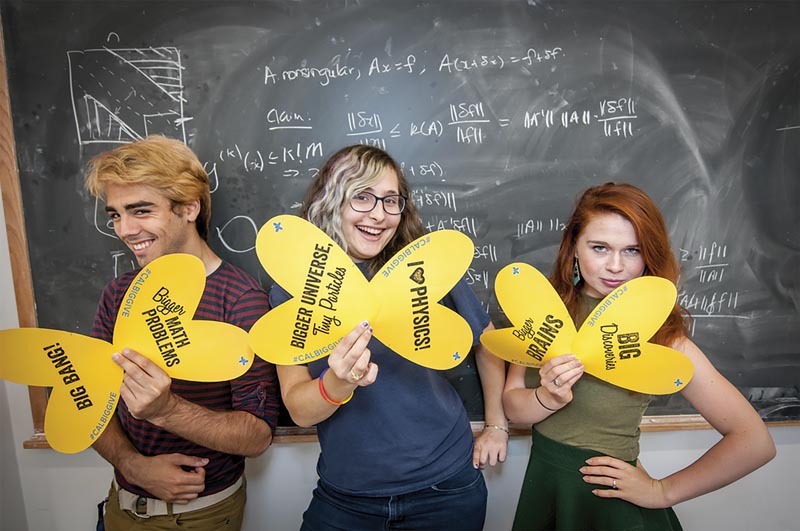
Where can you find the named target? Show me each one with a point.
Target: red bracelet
(325, 395)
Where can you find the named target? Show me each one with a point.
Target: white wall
(9, 472)
(51, 491)
(12, 515)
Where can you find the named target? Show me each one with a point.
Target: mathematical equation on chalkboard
(708, 265)
(121, 95)
(466, 122)
(334, 69)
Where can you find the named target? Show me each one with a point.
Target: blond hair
(162, 163)
(350, 170)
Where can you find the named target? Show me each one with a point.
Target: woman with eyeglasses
(397, 450)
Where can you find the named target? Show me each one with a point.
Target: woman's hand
(557, 377)
(490, 447)
(350, 360)
(624, 481)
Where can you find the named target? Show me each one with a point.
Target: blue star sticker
(678, 382)
(515, 270)
(277, 225)
(456, 356)
(243, 360)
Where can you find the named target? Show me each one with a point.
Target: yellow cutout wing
(410, 285)
(85, 381)
(157, 320)
(330, 294)
(612, 341)
(542, 327)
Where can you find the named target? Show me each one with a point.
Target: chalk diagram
(122, 95)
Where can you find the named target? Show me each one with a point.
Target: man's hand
(175, 478)
(145, 386)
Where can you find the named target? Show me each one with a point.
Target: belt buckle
(140, 507)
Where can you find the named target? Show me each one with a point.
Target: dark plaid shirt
(230, 296)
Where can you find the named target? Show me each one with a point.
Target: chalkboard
(501, 112)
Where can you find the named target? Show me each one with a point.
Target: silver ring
(556, 382)
(614, 484)
(356, 376)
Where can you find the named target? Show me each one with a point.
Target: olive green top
(601, 416)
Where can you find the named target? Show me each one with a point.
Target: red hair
(634, 205)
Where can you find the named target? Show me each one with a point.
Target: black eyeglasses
(365, 202)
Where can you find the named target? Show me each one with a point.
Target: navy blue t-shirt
(405, 432)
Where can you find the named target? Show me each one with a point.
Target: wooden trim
(17, 239)
(285, 434)
(37, 442)
(293, 434)
(674, 422)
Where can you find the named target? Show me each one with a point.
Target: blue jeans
(459, 502)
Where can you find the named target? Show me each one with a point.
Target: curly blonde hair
(350, 170)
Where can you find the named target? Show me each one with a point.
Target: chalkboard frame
(26, 307)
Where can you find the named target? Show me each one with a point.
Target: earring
(576, 273)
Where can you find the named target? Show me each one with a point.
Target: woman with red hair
(583, 471)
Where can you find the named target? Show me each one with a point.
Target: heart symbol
(418, 276)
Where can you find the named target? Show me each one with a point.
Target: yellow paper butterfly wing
(409, 287)
(156, 319)
(542, 327)
(612, 341)
(665, 371)
(84, 379)
(330, 294)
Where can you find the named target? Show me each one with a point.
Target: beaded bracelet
(536, 394)
(497, 427)
(325, 395)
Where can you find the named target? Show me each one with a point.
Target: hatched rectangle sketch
(122, 95)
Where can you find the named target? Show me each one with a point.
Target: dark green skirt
(554, 496)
